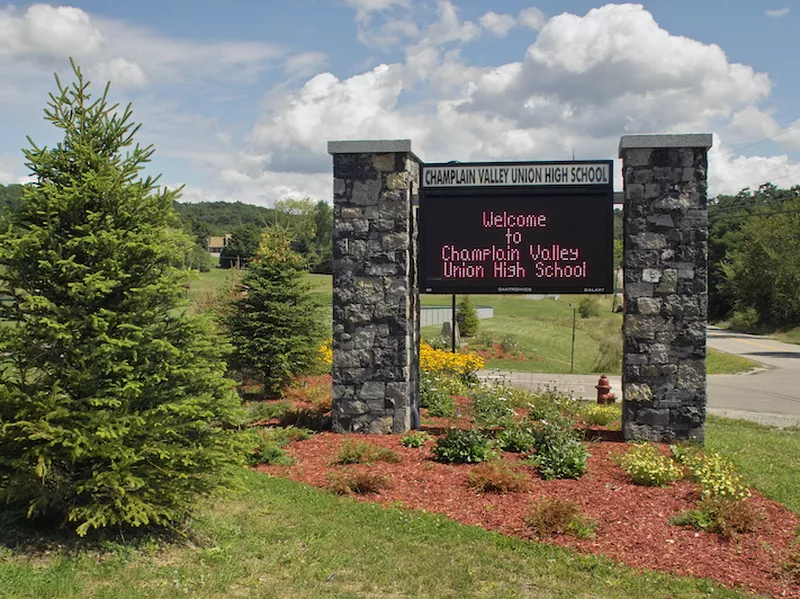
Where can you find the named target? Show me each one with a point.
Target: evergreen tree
(467, 317)
(276, 327)
(114, 409)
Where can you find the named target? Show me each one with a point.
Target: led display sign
(516, 227)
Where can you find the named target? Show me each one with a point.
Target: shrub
(415, 439)
(275, 326)
(441, 343)
(745, 319)
(588, 307)
(495, 477)
(509, 343)
(435, 398)
(552, 516)
(726, 517)
(269, 444)
(114, 408)
(516, 440)
(261, 411)
(482, 340)
(361, 452)
(459, 446)
(716, 476)
(601, 415)
(436, 361)
(491, 405)
(560, 457)
(359, 482)
(647, 466)
(467, 317)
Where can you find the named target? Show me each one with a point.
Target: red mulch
(633, 520)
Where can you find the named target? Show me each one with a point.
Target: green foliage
(609, 354)
(219, 218)
(359, 482)
(491, 405)
(560, 457)
(435, 397)
(241, 247)
(648, 466)
(553, 516)
(516, 439)
(460, 446)
(199, 259)
(588, 307)
(715, 474)
(467, 317)
(745, 319)
(361, 452)
(726, 517)
(10, 202)
(310, 227)
(261, 411)
(275, 330)
(496, 477)
(415, 439)
(509, 343)
(114, 409)
(601, 415)
(483, 340)
(269, 443)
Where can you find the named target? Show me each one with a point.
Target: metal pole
(453, 325)
(572, 357)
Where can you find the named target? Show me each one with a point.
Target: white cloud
(305, 63)
(778, 13)
(533, 18)
(497, 24)
(45, 30)
(728, 174)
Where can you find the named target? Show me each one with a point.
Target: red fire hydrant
(603, 391)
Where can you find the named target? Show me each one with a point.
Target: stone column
(666, 286)
(375, 287)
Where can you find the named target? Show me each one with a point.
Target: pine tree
(275, 327)
(467, 317)
(114, 409)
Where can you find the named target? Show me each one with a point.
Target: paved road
(770, 396)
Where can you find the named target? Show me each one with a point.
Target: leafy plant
(495, 477)
(647, 466)
(261, 411)
(601, 415)
(726, 517)
(516, 440)
(482, 340)
(553, 516)
(114, 407)
(460, 446)
(588, 307)
(467, 317)
(359, 482)
(415, 439)
(361, 452)
(560, 457)
(435, 398)
(269, 444)
(715, 474)
(491, 405)
(509, 343)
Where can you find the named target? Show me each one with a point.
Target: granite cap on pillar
(665, 140)
(371, 146)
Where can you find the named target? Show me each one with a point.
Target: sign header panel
(525, 174)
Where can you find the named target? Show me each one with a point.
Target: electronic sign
(535, 227)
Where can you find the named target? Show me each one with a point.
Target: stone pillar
(666, 286)
(375, 287)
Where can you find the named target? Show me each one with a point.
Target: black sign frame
(596, 199)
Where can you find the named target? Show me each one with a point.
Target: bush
(588, 307)
(482, 340)
(459, 446)
(275, 326)
(552, 516)
(509, 343)
(463, 366)
(114, 409)
(717, 476)
(415, 439)
(435, 398)
(560, 457)
(495, 477)
(491, 405)
(726, 517)
(269, 444)
(359, 482)
(516, 440)
(361, 452)
(647, 466)
(261, 411)
(441, 342)
(601, 415)
(467, 317)
(745, 319)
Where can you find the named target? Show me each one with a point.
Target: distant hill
(9, 200)
(222, 217)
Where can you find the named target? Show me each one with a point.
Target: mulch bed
(633, 520)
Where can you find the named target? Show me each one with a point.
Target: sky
(239, 98)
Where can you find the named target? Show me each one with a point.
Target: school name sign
(518, 175)
(536, 227)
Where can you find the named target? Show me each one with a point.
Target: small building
(216, 243)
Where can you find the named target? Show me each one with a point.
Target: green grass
(718, 362)
(283, 539)
(767, 457)
(791, 336)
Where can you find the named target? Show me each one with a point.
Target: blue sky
(241, 97)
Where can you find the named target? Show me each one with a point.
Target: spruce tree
(114, 409)
(275, 326)
(467, 317)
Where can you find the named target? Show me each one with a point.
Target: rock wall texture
(666, 288)
(375, 293)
